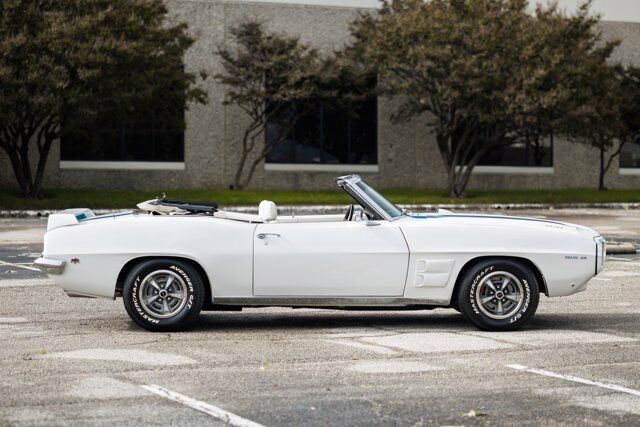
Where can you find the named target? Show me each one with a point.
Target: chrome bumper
(50, 266)
(601, 253)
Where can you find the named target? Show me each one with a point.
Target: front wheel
(499, 295)
(163, 295)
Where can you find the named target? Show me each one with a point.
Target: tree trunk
(612, 157)
(16, 165)
(18, 152)
(25, 164)
(456, 150)
(459, 176)
(36, 188)
(451, 181)
(237, 180)
(248, 145)
(601, 186)
(248, 142)
(455, 192)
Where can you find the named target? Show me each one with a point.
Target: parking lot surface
(82, 361)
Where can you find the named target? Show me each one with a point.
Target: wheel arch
(472, 262)
(126, 269)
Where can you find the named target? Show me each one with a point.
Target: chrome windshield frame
(349, 184)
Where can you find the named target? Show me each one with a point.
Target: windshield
(392, 210)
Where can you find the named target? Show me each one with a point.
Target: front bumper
(601, 253)
(50, 266)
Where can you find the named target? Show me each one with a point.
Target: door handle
(261, 236)
(372, 224)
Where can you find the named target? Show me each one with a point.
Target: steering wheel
(349, 214)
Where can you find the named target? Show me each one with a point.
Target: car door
(330, 259)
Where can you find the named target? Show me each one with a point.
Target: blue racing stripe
(513, 218)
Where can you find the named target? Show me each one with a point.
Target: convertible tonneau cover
(190, 206)
(167, 206)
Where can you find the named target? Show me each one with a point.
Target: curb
(320, 209)
(621, 249)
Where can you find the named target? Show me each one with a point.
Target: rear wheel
(499, 295)
(163, 295)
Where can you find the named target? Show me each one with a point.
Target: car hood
(504, 221)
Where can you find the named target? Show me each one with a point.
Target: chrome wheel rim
(500, 295)
(163, 294)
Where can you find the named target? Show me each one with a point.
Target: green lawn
(62, 199)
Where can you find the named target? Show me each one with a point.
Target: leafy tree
(565, 63)
(271, 78)
(485, 73)
(65, 62)
(630, 116)
(610, 117)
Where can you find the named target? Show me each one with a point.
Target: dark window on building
(630, 154)
(328, 135)
(141, 137)
(521, 154)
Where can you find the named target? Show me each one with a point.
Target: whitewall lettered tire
(499, 294)
(163, 294)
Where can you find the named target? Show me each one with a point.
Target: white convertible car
(172, 259)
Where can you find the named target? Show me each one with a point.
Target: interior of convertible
(268, 213)
(370, 206)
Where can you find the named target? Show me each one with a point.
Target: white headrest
(267, 211)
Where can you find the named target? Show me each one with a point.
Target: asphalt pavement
(70, 361)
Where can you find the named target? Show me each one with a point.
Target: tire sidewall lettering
(474, 285)
(136, 302)
(146, 316)
(478, 279)
(187, 280)
(525, 303)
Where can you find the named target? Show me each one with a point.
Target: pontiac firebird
(171, 259)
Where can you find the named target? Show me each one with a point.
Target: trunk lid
(77, 216)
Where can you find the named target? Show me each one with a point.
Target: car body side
(441, 246)
(102, 247)
(438, 247)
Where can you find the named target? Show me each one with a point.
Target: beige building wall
(407, 153)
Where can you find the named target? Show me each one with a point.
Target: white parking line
(26, 267)
(576, 379)
(214, 411)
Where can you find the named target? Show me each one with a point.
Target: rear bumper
(50, 266)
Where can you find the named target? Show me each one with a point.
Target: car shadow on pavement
(402, 321)
(590, 322)
(307, 319)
